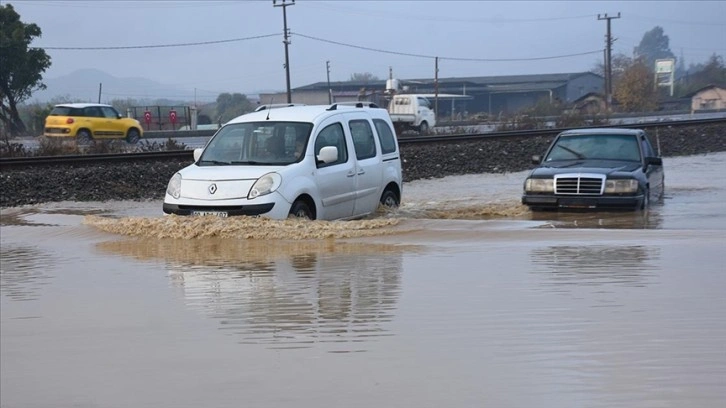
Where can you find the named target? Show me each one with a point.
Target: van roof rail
(356, 104)
(277, 105)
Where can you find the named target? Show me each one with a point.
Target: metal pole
(286, 40)
(330, 91)
(436, 89)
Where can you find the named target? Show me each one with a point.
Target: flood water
(461, 298)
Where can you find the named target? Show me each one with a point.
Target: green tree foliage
(21, 66)
(653, 46)
(230, 106)
(634, 89)
(364, 77)
(713, 72)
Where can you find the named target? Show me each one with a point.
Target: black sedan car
(606, 168)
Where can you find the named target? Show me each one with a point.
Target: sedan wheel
(646, 200)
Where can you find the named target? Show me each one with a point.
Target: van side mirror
(197, 154)
(536, 159)
(328, 154)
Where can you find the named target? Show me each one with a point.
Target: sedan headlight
(537, 185)
(174, 186)
(265, 185)
(627, 186)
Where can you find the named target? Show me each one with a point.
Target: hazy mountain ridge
(83, 86)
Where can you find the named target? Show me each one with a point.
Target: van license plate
(221, 214)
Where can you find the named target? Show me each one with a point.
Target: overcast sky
(499, 38)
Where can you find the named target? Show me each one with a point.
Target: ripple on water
(22, 273)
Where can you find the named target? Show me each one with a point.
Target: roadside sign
(172, 117)
(147, 118)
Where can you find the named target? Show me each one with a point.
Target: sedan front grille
(579, 184)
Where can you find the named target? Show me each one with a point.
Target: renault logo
(212, 188)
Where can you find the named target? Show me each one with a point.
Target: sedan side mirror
(657, 161)
(536, 159)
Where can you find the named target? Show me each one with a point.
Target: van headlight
(626, 186)
(265, 185)
(538, 185)
(174, 186)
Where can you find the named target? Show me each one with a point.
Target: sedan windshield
(595, 147)
(257, 143)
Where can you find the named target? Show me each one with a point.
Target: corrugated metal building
(493, 95)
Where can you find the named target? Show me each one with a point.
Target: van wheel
(389, 199)
(132, 137)
(84, 137)
(423, 128)
(301, 209)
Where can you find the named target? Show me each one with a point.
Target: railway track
(18, 162)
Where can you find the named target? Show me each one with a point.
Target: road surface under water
(461, 298)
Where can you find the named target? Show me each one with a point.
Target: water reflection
(597, 264)
(285, 294)
(21, 272)
(649, 219)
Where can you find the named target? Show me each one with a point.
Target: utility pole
(100, 87)
(436, 89)
(608, 61)
(330, 91)
(284, 4)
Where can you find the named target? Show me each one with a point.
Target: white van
(320, 162)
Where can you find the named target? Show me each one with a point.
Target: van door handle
(361, 172)
(351, 174)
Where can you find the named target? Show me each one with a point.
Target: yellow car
(87, 121)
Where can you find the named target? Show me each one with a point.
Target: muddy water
(461, 298)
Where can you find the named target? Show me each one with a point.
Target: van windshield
(257, 143)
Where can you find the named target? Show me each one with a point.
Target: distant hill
(83, 86)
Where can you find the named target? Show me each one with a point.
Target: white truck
(411, 111)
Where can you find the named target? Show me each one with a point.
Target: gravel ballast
(146, 180)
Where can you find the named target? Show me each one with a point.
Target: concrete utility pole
(284, 5)
(608, 61)
(330, 91)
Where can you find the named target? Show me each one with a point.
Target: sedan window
(597, 146)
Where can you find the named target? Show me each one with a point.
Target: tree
(635, 88)
(364, 77)
(620, 62)
(21, 66)
(713, 72)
(230, 106)
(653, 46)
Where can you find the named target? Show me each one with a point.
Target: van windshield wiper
(217, 162)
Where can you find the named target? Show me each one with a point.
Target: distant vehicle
(211, 126)
(319, 162)
(411, 111)
(88, 121)
(605, 168)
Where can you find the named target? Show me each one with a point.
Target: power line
(433, 57)
(129, 47)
